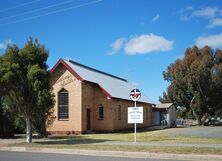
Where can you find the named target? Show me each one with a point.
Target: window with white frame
(63, 104)
(100, 112)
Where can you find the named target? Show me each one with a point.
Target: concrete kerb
(117, 153)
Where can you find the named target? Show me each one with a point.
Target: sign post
(135, 114)
(135, 125)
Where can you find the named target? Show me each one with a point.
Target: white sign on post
(135, 115)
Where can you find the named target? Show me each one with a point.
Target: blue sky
(133, 39)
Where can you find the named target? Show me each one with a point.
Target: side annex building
(89, 100)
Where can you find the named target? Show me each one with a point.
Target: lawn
(164, 137)
(174, 135)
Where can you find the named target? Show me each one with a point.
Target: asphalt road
(27, 156)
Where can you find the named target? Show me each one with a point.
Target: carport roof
(164, 105)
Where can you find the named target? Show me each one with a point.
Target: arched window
(63, 104)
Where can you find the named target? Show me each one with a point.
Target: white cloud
(142, 44)
(208, 12)
(135, 84)
(147, 43)
(211, 40)
(116, 46)
(3, 45)
(185, 13)
(155, 18)
(189, 8)
(186, 9)
(184, 17)
(215, 23)
(211, 13)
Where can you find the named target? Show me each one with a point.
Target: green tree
(165, 98)
(27, 76)
(7, 77)
(198, 74)
(6, 122)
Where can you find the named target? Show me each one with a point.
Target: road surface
(27, 156)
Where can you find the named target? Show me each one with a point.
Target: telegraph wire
(18, 6)
(53, 12)
(36, 10)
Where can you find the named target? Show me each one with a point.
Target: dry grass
(175, 150)
(150, 136)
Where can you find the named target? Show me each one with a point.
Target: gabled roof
(164, 105)
(112, 86)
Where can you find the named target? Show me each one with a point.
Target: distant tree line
(195, 84)
(25, 93)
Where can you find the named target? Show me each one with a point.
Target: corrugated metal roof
(117, 87)
(164, 105)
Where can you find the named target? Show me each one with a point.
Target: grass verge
(175, 150)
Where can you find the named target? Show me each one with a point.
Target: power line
(36, 10)
(53, 12)
(20, 5)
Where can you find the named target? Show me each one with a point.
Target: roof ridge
(96, 70)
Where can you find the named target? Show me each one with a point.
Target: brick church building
(91, 100)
